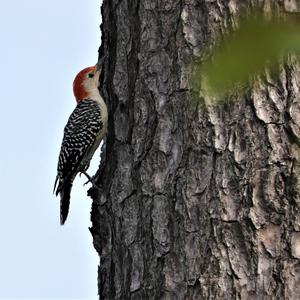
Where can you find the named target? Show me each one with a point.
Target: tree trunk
(198, 202)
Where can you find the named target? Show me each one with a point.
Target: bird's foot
(91, 180)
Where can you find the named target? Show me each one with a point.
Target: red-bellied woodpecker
(83, 133)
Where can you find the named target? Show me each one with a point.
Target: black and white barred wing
(80, 133)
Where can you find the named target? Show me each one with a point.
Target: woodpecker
(86, 127)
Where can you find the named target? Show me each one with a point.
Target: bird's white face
(91, 80)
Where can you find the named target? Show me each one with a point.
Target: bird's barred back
(83, 126)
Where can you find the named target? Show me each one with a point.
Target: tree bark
(198, 202)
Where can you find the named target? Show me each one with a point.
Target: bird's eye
(91, 75)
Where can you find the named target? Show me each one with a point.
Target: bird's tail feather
(64, 189)
(65, 201)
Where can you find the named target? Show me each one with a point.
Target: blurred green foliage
(256, 44)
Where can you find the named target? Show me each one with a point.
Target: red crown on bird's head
(78, 88)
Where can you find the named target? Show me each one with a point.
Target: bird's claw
(91, 180)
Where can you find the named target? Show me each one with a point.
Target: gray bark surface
(198, 202)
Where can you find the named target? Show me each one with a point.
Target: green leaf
(257, 43)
